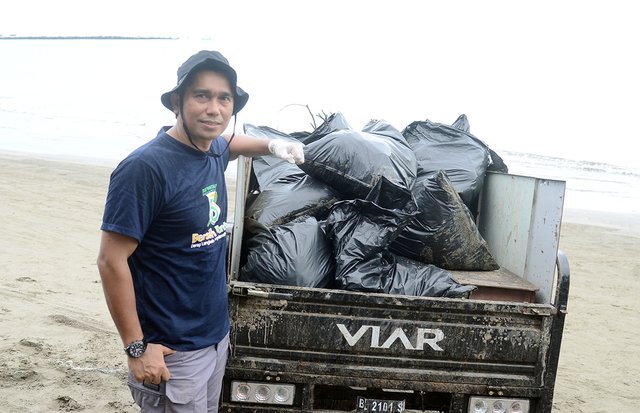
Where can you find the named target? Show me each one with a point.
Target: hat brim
(240, 97)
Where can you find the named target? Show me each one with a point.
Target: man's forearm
(118, 290)
(289, 150)
(247, 146)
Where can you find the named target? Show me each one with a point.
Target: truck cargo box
(297, 349)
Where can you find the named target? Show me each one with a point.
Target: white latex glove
(291, 152)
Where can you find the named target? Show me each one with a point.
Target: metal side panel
(242, 183)
(520, 219)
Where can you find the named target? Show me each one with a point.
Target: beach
(59, 350)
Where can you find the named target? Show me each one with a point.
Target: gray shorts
(194, 386)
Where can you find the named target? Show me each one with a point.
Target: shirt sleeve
(133, 199)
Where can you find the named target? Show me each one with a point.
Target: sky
(551, 77)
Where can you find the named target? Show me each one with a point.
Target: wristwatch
(136, 348)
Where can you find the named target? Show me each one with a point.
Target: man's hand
(150, 367)
(291, 152)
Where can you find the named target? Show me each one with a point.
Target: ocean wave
(554, 162)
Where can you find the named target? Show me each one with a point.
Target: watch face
(136, 349)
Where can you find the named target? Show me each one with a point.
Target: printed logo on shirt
(215, 232)
(214, 210)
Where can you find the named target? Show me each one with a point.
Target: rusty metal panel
(369, 336)
(497, 285)
(520, 219)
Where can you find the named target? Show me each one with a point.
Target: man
(163, 246)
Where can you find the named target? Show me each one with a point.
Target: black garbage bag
(360, 231)
(268, 169)
(462, 123)
(353, 162)
(461, 155)
(496, 163)
(280, 192)
(335, 122)
(387, 195)
(296, 253)
(444, 232)
(425, 280)
(283, 202)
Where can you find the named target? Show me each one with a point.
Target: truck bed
(432, 353)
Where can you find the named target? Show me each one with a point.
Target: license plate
(379, 406)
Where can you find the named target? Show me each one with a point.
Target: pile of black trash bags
(376, 210)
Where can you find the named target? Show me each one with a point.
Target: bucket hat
(208, 59)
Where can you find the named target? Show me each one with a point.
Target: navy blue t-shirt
(173, 200)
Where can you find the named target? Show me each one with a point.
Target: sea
(95, 100)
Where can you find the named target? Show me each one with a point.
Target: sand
(59, 350)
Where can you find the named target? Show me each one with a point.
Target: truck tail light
(264, 393)
(497, 405)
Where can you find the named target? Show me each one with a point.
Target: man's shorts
(194, 386)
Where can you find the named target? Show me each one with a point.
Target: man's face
(207, 106)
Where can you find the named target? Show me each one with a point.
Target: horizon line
(102, 37)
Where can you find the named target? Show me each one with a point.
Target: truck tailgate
(380, 339)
